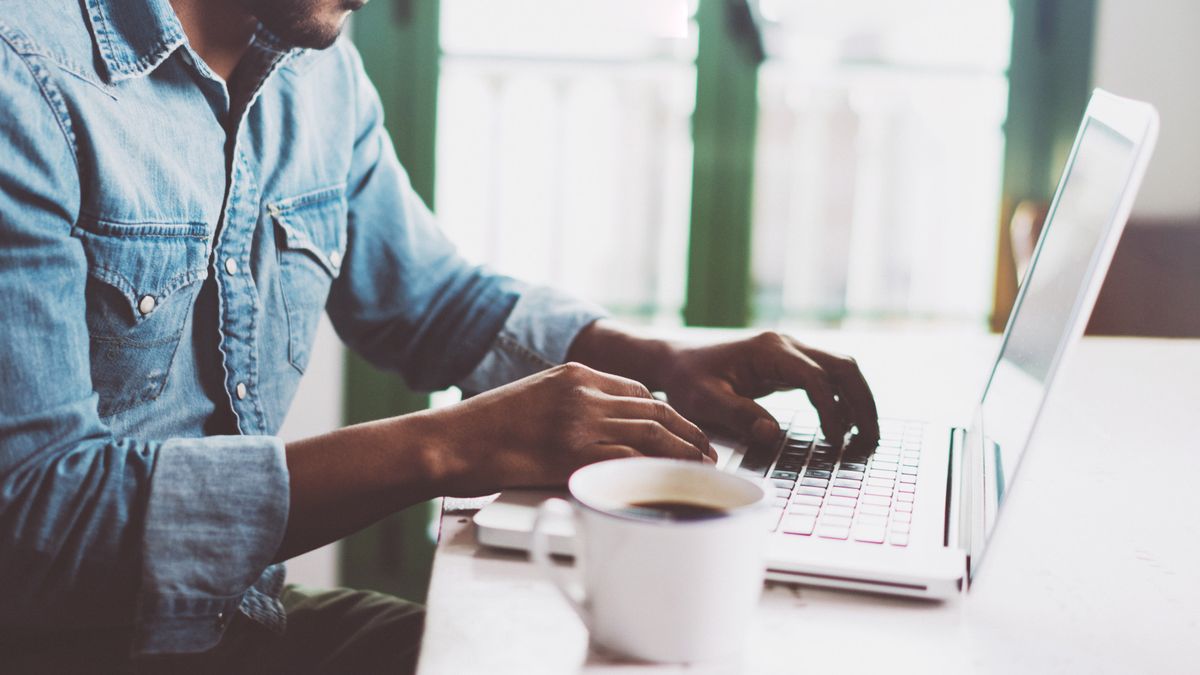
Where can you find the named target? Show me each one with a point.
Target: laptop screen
(1051, 296)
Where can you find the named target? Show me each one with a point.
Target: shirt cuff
(214, 520)
(536, 336)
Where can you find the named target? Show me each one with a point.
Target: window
(878, 166)
(564, 145)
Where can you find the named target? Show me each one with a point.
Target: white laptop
(913, 515)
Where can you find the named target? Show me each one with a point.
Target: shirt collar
(133, 36)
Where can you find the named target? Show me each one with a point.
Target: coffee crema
(674, 510)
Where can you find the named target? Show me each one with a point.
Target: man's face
(304, 23)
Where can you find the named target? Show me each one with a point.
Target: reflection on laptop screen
(1053, 287)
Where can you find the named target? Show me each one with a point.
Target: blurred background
(767, 163)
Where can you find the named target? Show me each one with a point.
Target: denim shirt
(167, 244)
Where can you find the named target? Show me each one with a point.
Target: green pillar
(723, 130)
(398, 40)
(1049, 83)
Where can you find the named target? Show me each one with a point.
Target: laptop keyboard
(850, 493)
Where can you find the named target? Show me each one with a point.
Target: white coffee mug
(653, 588)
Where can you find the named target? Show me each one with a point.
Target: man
(185, 186)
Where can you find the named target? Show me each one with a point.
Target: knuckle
(574, 371)
(769, 339)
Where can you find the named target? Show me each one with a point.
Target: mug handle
(568, 584)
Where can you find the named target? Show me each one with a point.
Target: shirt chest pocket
(311, 240)
(142, 284)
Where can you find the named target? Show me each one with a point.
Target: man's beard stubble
(299, 22)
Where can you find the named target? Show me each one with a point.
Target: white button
(231, 265)
(335, 258)
(241, 390)
(146, 304)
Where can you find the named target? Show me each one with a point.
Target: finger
(740, 416)
(650, 438)
(852, 387)
(658, 411)
(615, 385)
(792, 367)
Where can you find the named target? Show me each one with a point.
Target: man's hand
(536, 431)
(716, 385)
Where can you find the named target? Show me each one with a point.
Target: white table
(1094, 567)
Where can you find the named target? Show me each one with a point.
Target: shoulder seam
(53, 98)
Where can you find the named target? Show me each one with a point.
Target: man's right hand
(536, 431)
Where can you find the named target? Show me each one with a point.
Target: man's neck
(219, 31)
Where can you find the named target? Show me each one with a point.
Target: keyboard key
(901, 528)
(798, 524)
(905, 497)
(902, 517)
(906, 487)
(804, 509)
(833, 532)
(869, 533)
(844, 492)
(783, 492)
(888, 466)
(783, 484)
(817, 473)
(841, 501)
(806, 499)
(898, 540)
(877, 500)
(908, 479)
(909, 470)
(903, 507)
(786, 475)
(872, 518)
(833, 510)
(880, 491)
(847, 483)
(874, 509)
(886, 483)
(814, 482)
(853, 466)
(907, 461)
(810, 490)
(850, 475)
(830, 519)
(881, 473)
(780, 502)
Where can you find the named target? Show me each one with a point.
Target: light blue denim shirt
(167, 244)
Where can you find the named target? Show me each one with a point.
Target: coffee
(673, 510)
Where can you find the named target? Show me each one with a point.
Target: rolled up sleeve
(537, 335)
(215, 515)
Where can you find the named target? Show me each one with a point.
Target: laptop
(912, 515)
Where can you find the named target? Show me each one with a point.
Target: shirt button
(231, 265)
(146, 304)
(335, 258)
(241, 390)
(220, 620)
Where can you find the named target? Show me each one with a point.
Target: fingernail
(764, 429)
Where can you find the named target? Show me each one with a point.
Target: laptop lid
(1084, 223)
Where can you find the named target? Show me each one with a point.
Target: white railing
(575, 173)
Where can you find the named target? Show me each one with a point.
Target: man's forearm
(347, 479)
(608, 347)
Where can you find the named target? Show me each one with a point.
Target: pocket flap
(314, 223)
(145, 260)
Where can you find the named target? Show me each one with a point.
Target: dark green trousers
(337, 631)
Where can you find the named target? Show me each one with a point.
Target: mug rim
(725, 513)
